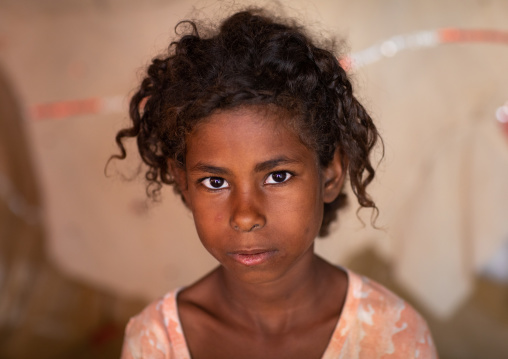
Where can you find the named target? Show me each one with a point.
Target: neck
(276, 306)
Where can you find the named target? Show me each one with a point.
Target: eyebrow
(270, 164)
(260, 167)
(202, 167)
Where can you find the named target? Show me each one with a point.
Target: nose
(247, 211)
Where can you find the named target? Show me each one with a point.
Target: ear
(180, 177)
(333, 178)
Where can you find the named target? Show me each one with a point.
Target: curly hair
(251, 59)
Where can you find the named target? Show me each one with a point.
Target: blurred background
(81, 252)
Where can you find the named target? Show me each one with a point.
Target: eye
(278, 177)
(215, 183)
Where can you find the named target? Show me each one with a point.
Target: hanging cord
(421, 39)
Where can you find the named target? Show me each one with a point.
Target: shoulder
(388, 324)
(373, 297)
(146, 334)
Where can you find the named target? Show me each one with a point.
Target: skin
(256, 193)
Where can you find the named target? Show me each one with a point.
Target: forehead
(244, 133)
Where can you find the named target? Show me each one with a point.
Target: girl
(257, 129)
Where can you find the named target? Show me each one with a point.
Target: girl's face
(256, 193)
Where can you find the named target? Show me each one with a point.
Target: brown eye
(278, 177)
(215, 183)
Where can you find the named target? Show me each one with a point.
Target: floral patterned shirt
(374, 323)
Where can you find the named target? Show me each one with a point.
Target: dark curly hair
(251, 59)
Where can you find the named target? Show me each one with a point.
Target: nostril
(246, 229)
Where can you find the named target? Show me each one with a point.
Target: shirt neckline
(180, 345)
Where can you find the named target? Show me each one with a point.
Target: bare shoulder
(198, 293)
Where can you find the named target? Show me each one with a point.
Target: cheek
(209, 220)
(209, 213)
(208, 237)
(300, 212)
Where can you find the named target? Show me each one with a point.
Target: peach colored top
(374, 323)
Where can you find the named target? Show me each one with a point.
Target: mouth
(252, 257)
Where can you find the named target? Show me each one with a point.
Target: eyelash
(206, 181)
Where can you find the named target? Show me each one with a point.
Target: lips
(252, 257)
